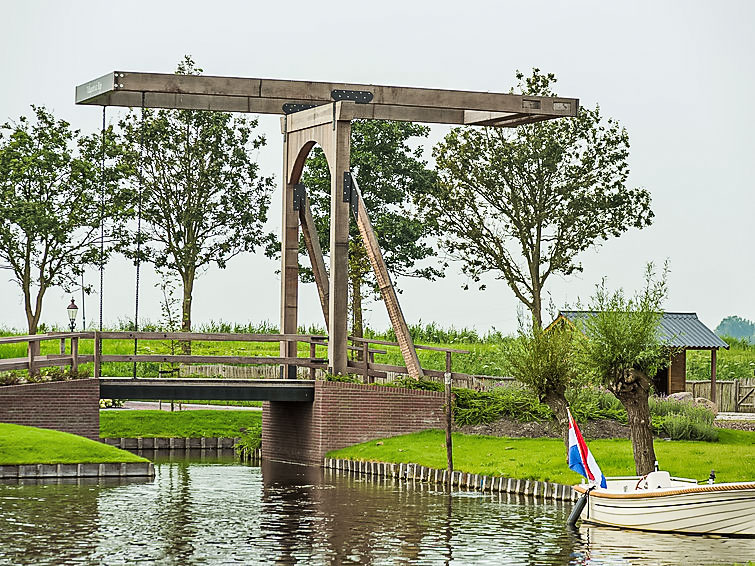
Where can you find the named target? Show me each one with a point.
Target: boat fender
(578, 507)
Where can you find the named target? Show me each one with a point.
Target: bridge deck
(208, 389)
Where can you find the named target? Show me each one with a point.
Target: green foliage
(623, 345)
(588, 403)
(342, 378)
(738, 328)
(203, 200)
(50, 204)
(433, 333)
(682, 421)
(738, 362)
(250, 440)
(544, 361)
(476, 407)
(549, 190)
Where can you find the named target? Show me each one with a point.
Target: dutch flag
(580, 458)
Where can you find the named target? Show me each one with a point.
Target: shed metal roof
(678, 330)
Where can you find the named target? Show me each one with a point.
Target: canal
(202, 510)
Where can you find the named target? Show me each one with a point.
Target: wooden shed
(680, 331)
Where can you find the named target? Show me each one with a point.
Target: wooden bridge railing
(364, 365)
(34, 360)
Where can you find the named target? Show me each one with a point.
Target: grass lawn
(544, 459)
(29, 445)
(186, 424)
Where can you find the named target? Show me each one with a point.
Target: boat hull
(723, 509)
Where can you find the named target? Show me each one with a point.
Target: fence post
(449, 417)
(97, 354)
(713, 376)
(33, 352)
(736, 395)
(312, 356)
(74, 355)
(62, 345)
(366, 359)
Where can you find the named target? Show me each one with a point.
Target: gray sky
(678, 75)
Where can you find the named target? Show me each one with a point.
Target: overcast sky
(679, 76)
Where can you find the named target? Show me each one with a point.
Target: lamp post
(72, 311)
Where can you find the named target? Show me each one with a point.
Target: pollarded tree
(203, 199)
(546, 362)
(389, 173)
(51, 203)
(623, 350)
(523, 203)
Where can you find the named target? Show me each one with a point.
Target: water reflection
(218, 512)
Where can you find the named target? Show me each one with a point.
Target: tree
(737, 327)
(50, 203)
(545, 361)
(523, 203)
(389, 173)
(623, 350)
(203, 200)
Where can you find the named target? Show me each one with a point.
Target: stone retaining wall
(178, 443)
(493, 484)
(112, 470)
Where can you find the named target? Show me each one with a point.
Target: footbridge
(290, 391)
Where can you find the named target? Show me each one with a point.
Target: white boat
(659, 502)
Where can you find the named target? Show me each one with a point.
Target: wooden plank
(713, 391)
(210, 337)
(289, 305)
(417, 346)
(265, 95)
(396, 315)
(43, 337)
(316, 259)
(75, 354)
(97, 354)
(338, 153)
(190, 359)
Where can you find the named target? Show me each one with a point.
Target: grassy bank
(29, 445)
(186, 424)
(733, 457)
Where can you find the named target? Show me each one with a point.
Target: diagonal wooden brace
(388, 292)
(312, 243)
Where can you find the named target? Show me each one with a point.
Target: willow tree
(523, 203)
(202, 200)
(623, 350)
(389, 173)
(52, 198)
(545, 361)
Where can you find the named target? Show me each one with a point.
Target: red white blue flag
(580, 458)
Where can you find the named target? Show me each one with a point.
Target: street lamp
(72, 311)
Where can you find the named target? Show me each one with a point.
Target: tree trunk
(33, 314)
(557, 403)
(357, 328)
(188, 284)
(635, 401)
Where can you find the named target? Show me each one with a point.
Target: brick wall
(343, 414)
(70, 406)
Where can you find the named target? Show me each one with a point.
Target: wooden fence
(731, 396)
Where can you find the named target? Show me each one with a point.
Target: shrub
(682, 421)
(250, 440)
(587, 403)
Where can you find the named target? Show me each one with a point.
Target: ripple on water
(216, 513)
